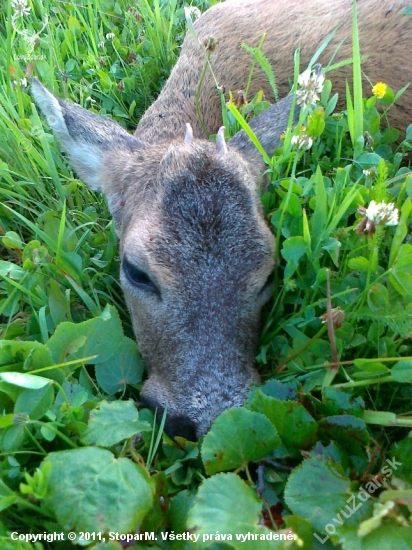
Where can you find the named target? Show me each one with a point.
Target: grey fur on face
(197, 255)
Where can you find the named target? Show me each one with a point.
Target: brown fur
(289, 24)
(196, 253)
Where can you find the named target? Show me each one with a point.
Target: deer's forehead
(195, 225)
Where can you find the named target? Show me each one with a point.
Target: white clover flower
(382, 213)
(20, 8)
(302, 142)
(367, 172)
(310, 86)
(101, 44)
(110, 35)
(304, 78)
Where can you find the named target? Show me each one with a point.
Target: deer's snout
(176, 424)
(193, 407)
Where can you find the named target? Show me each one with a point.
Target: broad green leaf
(10, 270)
(73, 25)
(317, 490)
(387, 536)
(226, 508)
(401, 452)
(237, 437)
(98, 336)
(302, 528)
(359, 263)
(370, 367)
(316, 122)
(12, 240)
(293, 249)
(295, 426)
(332, 247)
(112, 422)
(180, 507)
(125, 367)
(400, 274)
(402, 371)
(350, 431)
(339, 401)
(22, 380)
(367, 160)
(13, 438)
(334, 451)
(294, 206)
(35, 402)
(6, 420)
(401, 231)
(97, 492)
(58, 304)
(285, 391)
(378, 297)
(20, 353)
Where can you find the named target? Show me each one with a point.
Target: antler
(189, 135)
(221, 146)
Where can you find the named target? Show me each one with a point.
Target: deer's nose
(175, 425)
(181, 426)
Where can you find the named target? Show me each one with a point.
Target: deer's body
(288, 24)
(197, 256)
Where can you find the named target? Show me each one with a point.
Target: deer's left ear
(268, 127)
(88, 138)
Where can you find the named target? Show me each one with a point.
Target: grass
(337, 394)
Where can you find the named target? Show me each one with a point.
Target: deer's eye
(137, 277)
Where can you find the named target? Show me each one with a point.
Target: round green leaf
(125, 367)
(35, 403)
(97, 491)
(295, 426)
(12, 240)
(339, 401)
(94, 337)
(237, 437)
(386, 536)
(293, 249)
(112, 422)
(402, 371)
(350, 431)
(226, 509)
(317, 490)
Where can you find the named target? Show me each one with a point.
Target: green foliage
(80, 500)
(238, 437)
(75, 453)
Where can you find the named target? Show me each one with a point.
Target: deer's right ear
(89, 139)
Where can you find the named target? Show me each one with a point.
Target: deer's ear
(89, 139)
(268, 127)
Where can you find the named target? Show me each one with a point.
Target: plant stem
(359, 383)
(50, 426)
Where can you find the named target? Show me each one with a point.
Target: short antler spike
(189, 135)
(221, 146)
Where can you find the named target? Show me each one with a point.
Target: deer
(197, 255)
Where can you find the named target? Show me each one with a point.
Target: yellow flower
(379, 90)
